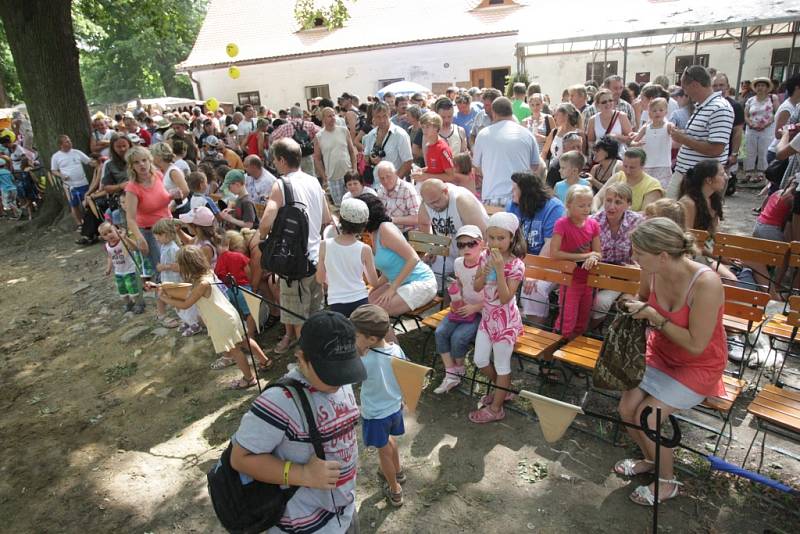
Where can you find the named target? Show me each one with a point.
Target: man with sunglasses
(446, 208)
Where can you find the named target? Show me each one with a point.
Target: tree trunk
(4, 101)
(42, 42)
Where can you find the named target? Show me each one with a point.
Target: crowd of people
(615, 174)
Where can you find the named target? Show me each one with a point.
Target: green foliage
(307, 13)
(130, 48)
(8, 73)
(514, 78)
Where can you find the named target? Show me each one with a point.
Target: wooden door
(480, 78)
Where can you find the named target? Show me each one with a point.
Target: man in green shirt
(518, 104)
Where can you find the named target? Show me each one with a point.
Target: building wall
(557, 72)
(282, 83)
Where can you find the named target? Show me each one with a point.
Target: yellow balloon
(8, 133)
(212, 104)
(233, 72)
(232, 49)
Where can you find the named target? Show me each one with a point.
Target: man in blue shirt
(466, 113)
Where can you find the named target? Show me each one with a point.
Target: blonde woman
(568, 120)
(687, 350)
(146, 202)
(174, 179)
(608, 121)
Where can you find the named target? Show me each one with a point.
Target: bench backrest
(548, 269)
(624, 279)
(424, 243)
(750, 249)
(745, 304)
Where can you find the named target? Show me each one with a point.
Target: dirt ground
(110, 424)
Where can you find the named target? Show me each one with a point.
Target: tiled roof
(266, 29)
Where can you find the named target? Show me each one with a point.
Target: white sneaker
(447, 384)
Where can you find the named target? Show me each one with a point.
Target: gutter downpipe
(197, 83)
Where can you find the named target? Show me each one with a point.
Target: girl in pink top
(146, 202)
(687, 350)
(500, 273)
(576, 237)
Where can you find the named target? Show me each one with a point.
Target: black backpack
(256, 506)
(285, 251)
(302, 138)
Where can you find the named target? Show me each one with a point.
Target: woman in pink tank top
(686, 347)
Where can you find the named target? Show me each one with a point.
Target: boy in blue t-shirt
(8, 189)
(381, 398)
(571, 164)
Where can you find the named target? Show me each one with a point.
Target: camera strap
(386, 139)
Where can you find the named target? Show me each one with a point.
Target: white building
(478, 42)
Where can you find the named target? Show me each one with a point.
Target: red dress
(702, 373)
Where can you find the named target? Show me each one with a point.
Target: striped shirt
(276, 425)
(711, 122)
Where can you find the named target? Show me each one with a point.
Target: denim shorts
(76, 195)
(377, 431)
(455, 338)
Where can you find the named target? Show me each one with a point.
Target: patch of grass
(120, 371)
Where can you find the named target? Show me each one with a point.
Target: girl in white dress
(220, 317)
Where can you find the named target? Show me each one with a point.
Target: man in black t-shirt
(721, 84)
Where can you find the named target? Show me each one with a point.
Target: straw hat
(763, 79)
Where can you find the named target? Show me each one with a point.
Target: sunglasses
(467, 244)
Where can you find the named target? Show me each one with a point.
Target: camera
(377, 153)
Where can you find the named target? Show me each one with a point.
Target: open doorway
(491, 77)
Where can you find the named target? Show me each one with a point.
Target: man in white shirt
(387, 142)
(247, 125)
(100, 140)
(502, 149)
(304, 296)
(258, 181)
(68, 164)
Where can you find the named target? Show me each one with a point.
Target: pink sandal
(242, 383)
(486, 415)
(488, 399)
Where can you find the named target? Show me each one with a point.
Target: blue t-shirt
(7, 180)
(561, 188)
(465, 121)
(540, 226)
(380, 393)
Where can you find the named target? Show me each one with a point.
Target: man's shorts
(76, 195)
(303, 298)
(377, 431)
(127, 284)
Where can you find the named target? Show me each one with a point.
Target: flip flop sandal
(643, 496)
(221, 363)
(627, 467)
(242, 383)
(487, 400)
(395, 499)
(266, 366)
(168, 322)
(486, 415)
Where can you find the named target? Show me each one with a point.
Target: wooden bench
(744, 313)
(783, 328)
(723, 406)
(583, 351)
(752, 251)
(434, 245)
(777, 407)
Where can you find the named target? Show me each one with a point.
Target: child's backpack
(302, 138)
(285, 251)
(250, 505)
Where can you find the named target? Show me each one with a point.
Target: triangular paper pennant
(177, 290)
(410, 377)
(554, 416)
(254, 303)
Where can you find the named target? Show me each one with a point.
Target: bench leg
(726, 422)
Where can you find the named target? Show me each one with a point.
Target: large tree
(10, 92)
(42, 42)
(129, 48)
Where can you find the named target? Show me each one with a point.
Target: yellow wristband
(286, 466)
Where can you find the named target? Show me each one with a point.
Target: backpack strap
(313, 431)
(288, 195)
